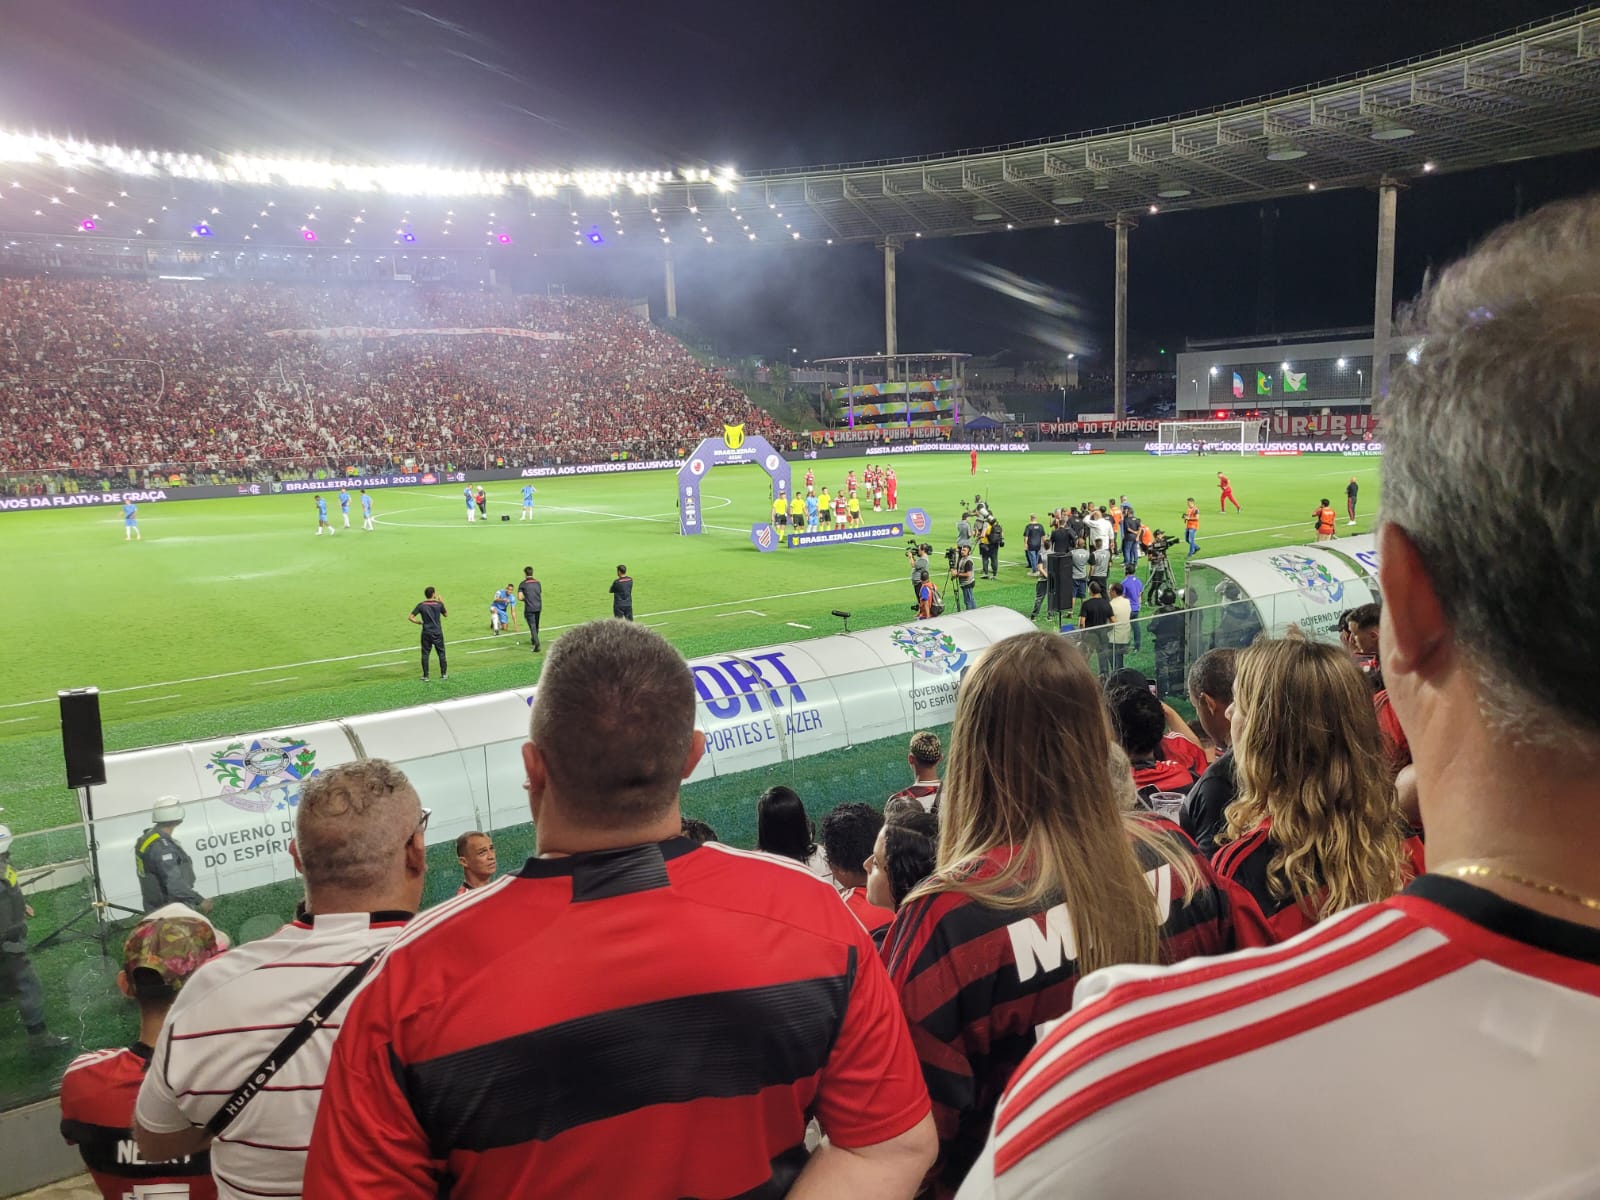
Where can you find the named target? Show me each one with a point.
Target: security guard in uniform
(166, 872)
(17, 976)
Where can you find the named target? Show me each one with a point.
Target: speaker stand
(98, 905)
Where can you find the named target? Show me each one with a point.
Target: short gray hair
(613, 718)
(1494, 422)
(352, 822)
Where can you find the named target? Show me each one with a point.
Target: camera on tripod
(1160, 543)
(950, 556)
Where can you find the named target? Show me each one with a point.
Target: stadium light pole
(891, 247)
(1121, 226)
(1383, 295)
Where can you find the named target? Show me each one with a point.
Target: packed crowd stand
(100, 376)
(1360, 891)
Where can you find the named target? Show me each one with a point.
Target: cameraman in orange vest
(1325, 518)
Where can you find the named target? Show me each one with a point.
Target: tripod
(98, 906)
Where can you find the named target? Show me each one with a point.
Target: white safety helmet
(5, 839)
(167, 811)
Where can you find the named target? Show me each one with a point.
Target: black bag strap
(286, 1049)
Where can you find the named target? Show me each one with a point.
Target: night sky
(624, 84)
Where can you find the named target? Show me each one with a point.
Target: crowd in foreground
(102, 375)
(1070, 994)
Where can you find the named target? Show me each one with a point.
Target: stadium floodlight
(1067, 196)
(1213, 372)
(1340, 364)
(1284, 149)
(1173, 189)
(1385, 129)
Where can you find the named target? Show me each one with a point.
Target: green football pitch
(231, 616)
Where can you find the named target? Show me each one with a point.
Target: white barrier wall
(756, 707)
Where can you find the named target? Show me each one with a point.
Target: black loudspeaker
(1060, 594)
(81, 737)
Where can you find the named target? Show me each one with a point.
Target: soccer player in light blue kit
(366, 510)
(472, 512)
(811, 513)
(344, 506)
(527, 501)
(322, 516)
(130, 523)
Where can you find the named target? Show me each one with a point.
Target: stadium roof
(1532, 92)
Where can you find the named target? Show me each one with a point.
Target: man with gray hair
(359, 845)
(576, 1028)
(1483, 977)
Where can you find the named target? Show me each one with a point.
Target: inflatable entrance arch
(733, 448)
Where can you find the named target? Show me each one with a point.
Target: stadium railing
(479, 788)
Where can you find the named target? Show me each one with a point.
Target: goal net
(1222, 437)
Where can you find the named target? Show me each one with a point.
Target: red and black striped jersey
(1440, 1043)
(976, 982)
(1261, 918)
(655, 1021)
(97, 1098)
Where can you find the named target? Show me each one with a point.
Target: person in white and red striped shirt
(1444, 1042)
(359, 843)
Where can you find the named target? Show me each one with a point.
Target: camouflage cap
(173, 947)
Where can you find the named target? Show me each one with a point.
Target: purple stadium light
(408, 236)
(595, 238)
(504, 239)
(202, 229)
(309, 235)
(88, 226)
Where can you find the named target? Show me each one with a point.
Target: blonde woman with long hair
(1315, 826)
(1041, 877)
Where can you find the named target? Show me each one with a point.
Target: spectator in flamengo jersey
(1041, 877)
(1141, 725)
(715, 990)
(475, 853)
(99, 1089)
(1316, 826)
(1210, 682)
(1478, 990)
(903, 856)
(359, 844)
(925, 753)
(848, 834)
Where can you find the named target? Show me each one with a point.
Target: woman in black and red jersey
(1315, 826)
(1041, 877)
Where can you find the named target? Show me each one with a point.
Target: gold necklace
(1482, 871)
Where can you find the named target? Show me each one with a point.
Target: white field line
(154, 699)
(394, 650)
(15, 720)
(265, 682)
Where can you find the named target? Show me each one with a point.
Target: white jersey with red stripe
(1443, 1043)
(227, 1020)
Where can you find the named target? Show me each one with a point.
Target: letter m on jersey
(1037, 947)
(1044, 948)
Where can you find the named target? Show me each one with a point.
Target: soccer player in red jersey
(1041, 877)
(632, 1014)
(1227, 493)
(99, 1090)
(974, 462)
(891, 488)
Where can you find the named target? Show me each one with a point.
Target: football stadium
(526, 637)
